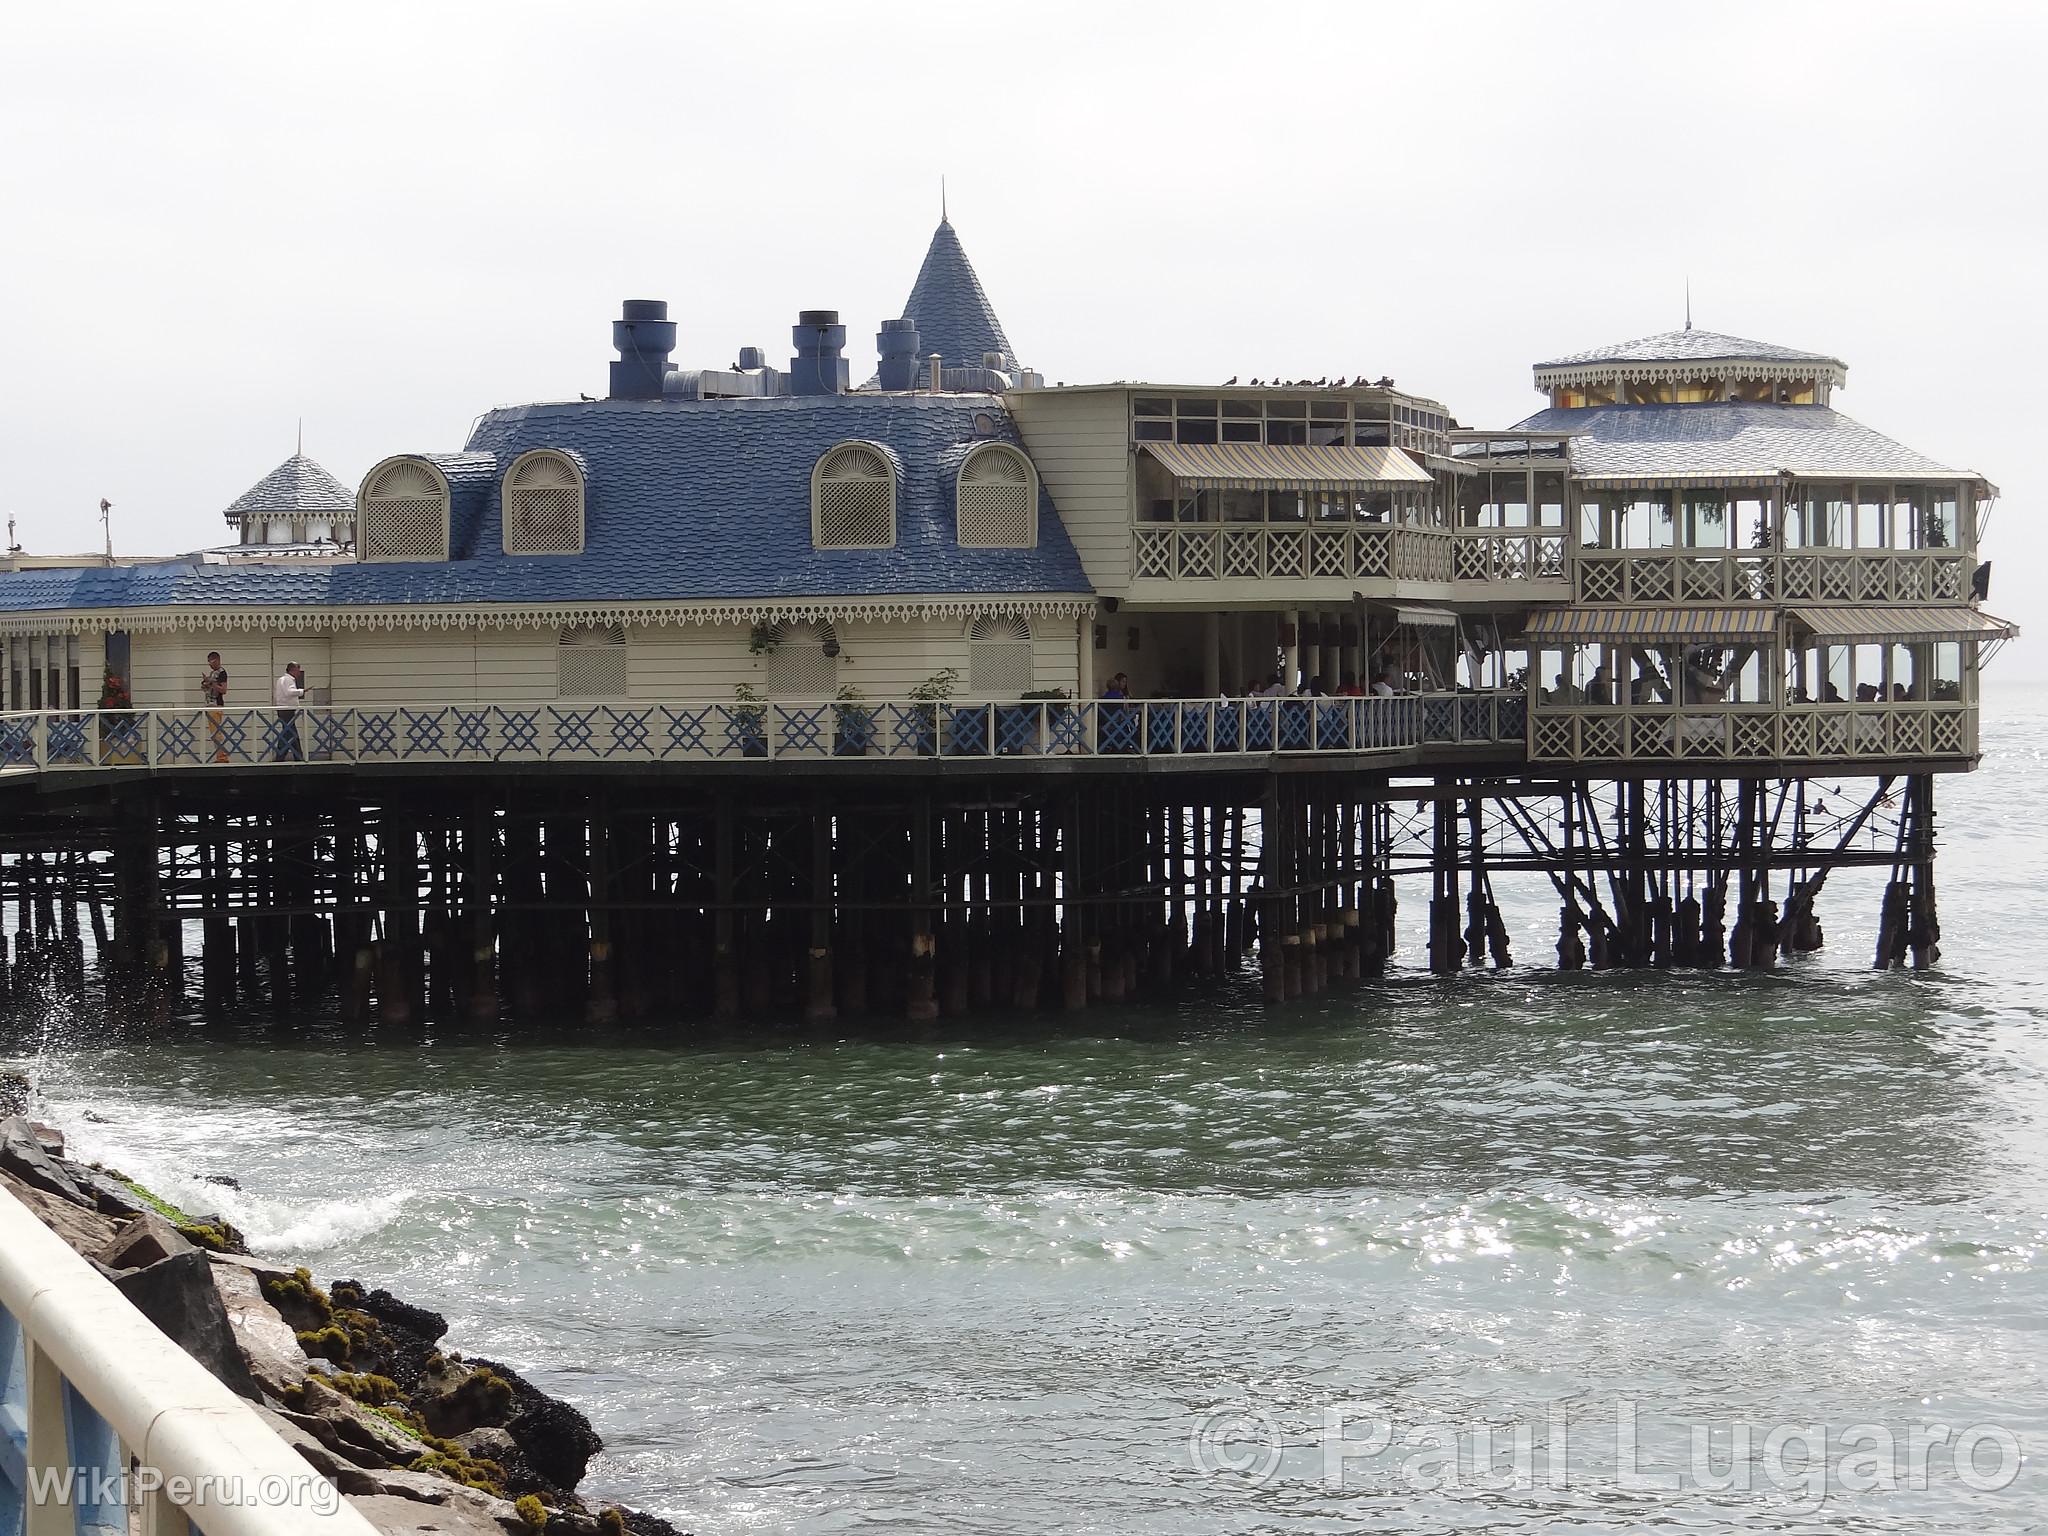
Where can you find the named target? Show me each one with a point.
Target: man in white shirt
(1383, 685)
(285, 693)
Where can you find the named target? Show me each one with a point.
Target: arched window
(591, 662)
(998, 658)
(997, 505)
(543, 505)
(804, 663)
(853, 499)
(404, 506)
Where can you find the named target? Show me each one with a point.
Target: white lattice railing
(1752, 732)
(106, 1426)
(1810, 575)
(559, 731)
(1263, 552)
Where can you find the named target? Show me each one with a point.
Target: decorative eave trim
(1774, 369)
(454, 616)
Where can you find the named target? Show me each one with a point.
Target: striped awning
(1423, 618)
(1902, 626)
(1262, 466)
(1744, 622)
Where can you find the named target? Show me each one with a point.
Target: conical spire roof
(297, 485)
(954, 317)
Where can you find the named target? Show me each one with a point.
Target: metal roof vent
(819, 367)
(644, 336)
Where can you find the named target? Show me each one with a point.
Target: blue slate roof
(684, 501)
(298, 485)
(1732, 439)
(1690, 346)
(954, 317)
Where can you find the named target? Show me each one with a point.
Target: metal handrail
(88, 1385)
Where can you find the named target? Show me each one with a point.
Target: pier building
(755, 688)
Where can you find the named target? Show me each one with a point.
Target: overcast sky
(217, 219)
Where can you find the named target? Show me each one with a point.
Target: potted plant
(928, 695)
(746, 723)
(854, 722)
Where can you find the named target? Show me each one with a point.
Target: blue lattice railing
(637, 731)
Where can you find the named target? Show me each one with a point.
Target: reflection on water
(990, 1278)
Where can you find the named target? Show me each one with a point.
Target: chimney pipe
(644, 336)
(819, 367)
(897, 342)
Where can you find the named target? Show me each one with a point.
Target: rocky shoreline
(419, 1439)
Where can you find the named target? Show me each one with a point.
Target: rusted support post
(398, 893)
(1074, 910)
(819, 1005)
(479, 887)
(921, 1000)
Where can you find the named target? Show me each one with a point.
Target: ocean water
(1518, 1252)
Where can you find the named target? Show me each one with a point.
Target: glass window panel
(1241, 431)
(1550, 500)
(1194, 407)
(1287, 408)
(1328, 410)
(1938, 527)
(1242, 408)
(1151, 406)
(1154, 431)
(1872, 505)
(1243, 506)
(1197, 429)
(1508, 499)
(1749, 521)
(1948, 671)
(1471, 501)
(1287, 433)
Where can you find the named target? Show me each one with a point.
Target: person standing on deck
(285, 694)
(213, 693)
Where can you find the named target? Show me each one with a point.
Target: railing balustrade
(1752, 732)
(1802, 575)
(90, 1389)
(1310, 551)
(638, 731)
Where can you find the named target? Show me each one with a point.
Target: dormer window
(543, 504)
(853, 499)
(997, 502)
(404, 506)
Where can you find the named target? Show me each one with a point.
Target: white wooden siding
(1081, 444)
(679, 661)
(166, 668)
